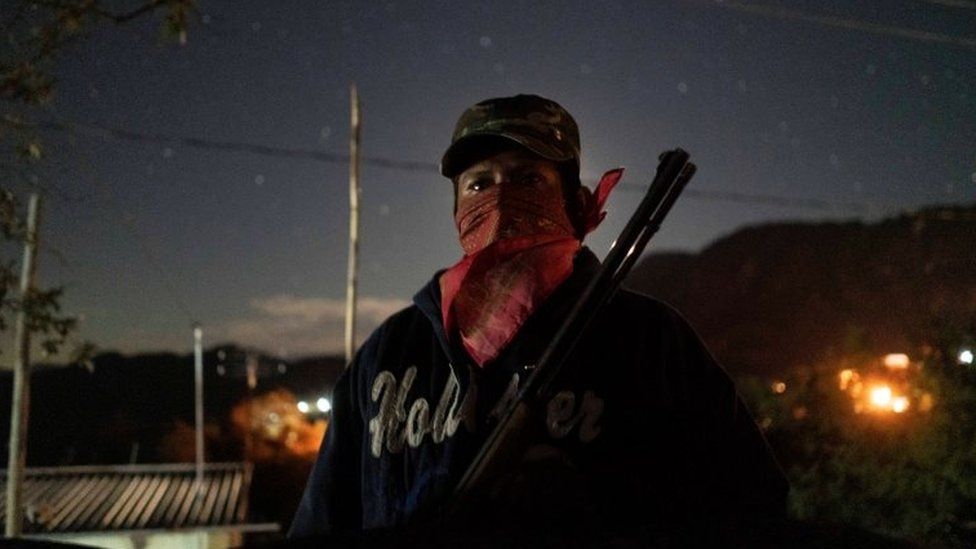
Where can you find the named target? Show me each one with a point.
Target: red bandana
(519, 247)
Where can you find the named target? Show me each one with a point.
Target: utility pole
(355, 137)
(198, 399)
(251, 367)
(20, 407)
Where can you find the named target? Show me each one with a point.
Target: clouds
(313, 309)
(289, 325)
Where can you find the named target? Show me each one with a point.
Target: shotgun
(517, 425)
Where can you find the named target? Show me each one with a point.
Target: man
(649, 433)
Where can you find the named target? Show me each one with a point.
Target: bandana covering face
(519, 245)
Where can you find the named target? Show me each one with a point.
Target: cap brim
(465, 151)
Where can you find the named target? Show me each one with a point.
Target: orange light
(897, 361)
(845, 378)
(899, 404)
(779, 387)
(881, 396)
(925, 403)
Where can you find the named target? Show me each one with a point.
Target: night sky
(818, 110)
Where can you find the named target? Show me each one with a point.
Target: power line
(407, 165)
(767, 199)
(963, 4)
(852, 24)
(235, 146)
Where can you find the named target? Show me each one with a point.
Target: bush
(910, 475)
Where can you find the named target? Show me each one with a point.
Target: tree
(911, 474)
(36, 33)
(283, 444)
(276, 428)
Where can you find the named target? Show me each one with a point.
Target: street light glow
(897, 361)
(965, 357)
(303, 406)
(846, 376)
(899, 404)
(881, 396)
(323, 405)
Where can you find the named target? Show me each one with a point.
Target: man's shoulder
(629, 304)
(408, 318)
(409, 313)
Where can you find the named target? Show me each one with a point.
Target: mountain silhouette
(769, 298)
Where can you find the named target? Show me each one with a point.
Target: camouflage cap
(538, 124)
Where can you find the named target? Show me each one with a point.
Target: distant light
(925, 403)
(303, 406)
(221, 370)
(779, 387)
(282, 368)
(323, 405)
(881, 396)
(966, 357)
(845, 378)
(897, 361)
(899, 404)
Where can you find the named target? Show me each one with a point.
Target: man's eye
(531, 178)
(477, 185)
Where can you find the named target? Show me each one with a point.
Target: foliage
(911, 475)
(282, 444)
(266, 430)
(35, 34)
(42, 307)
(275, 427)
(179, 443)
(37, 31)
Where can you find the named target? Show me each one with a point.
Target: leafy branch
(35, 34)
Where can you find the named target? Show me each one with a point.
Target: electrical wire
(235, 146)
(962, 4)
(849, 23)
(411, 166)
(766, 199)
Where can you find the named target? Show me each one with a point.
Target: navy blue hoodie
(649, 430)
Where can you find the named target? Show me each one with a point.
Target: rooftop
(132, 497)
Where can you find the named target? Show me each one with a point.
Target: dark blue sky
(809, 100)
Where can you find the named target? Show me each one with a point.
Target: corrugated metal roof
(132, 497)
